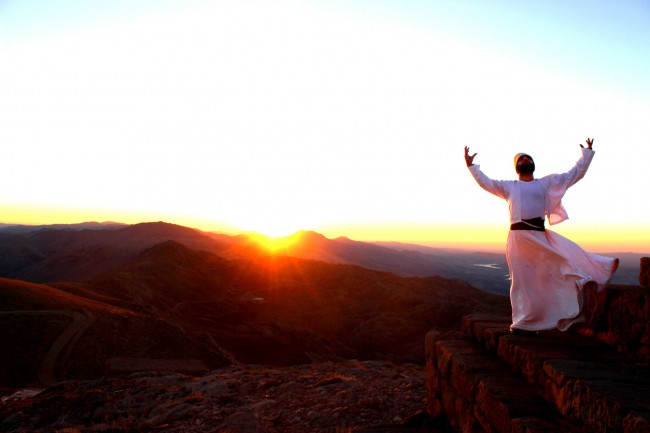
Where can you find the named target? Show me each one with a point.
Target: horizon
(345, 118)
(489, 247)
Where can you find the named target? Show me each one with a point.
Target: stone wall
(485, 380)
(478, 393)
(623, 320)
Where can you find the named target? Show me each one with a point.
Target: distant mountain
(166, 275)
(79, 253)
(92, 225)
(401, 246)
(76, 255)
(488, 270)
(402, 259)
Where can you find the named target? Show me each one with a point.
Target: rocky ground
(326, 397)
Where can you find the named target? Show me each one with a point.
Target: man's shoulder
(550, 178)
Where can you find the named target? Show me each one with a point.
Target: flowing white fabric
(548, 271)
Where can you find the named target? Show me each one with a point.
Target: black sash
(536, 224)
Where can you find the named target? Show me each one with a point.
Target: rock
(130, 365)
(637, 422)
(644, 275)
(626, 324)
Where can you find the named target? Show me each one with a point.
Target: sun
(273, 244)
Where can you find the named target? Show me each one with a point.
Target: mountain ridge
(76, 255)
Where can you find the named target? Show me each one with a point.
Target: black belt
(536, 224)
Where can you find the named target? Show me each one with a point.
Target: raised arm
(497, 187)
(557, 184)
(580, 168)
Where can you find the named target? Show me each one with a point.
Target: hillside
(301, 309)
(49, 334)
(170, 301)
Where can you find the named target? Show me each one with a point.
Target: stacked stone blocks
(484, 380)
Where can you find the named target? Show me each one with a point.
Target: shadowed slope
(288, 310)
(34, 317)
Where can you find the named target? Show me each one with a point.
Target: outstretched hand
(590, 142)
(469, 159)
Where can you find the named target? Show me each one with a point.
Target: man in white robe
(553, 280)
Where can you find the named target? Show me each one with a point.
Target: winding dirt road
(64, 342)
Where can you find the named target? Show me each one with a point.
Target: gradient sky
(344, 117)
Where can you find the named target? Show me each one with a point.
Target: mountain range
(75, 300)
(79, 251)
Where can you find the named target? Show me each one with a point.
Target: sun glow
(273, 244)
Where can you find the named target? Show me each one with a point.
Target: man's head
(524, 164)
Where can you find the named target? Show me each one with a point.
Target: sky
(344, 117)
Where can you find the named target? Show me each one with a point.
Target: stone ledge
(478, 393)
(561, 370)
(527, 354)
(587, 382)
(486, 329)
(601, 395)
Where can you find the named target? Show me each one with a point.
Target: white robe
(548, 272)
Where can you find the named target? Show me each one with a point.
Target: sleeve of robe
(497, 187)
(557, 184)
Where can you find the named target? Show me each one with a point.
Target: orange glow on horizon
(465, 236)
(492, 237)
